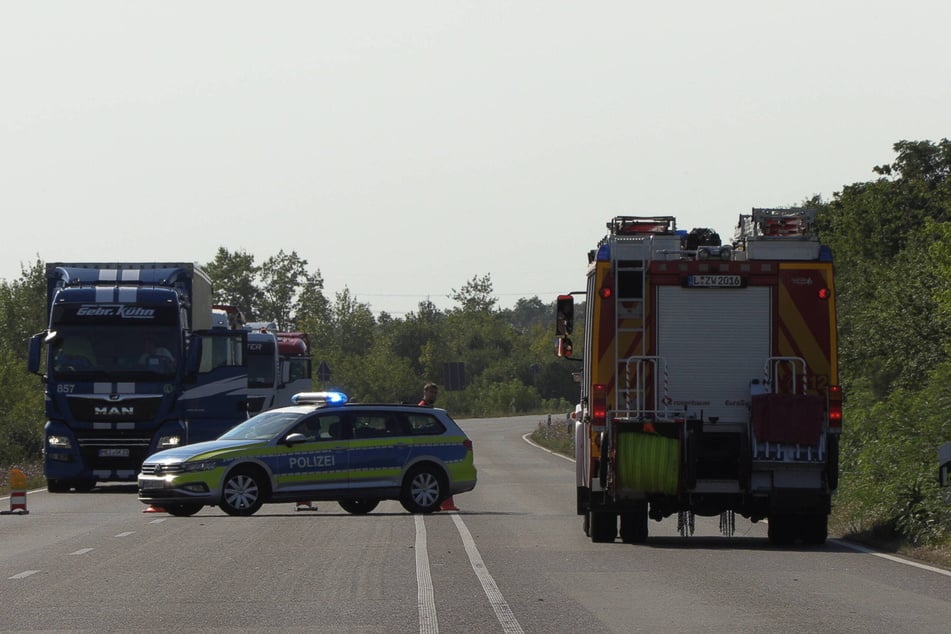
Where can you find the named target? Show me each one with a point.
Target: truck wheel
(603, 527)
(57, 486)
(815, 529)
(358, 506)
(182, 510)
(423, 490)
(782, 529)
(634, 525)
(243, 492)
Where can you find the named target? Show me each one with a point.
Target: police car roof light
(328, 398)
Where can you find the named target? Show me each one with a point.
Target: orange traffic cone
(154, 509)
(448, 505)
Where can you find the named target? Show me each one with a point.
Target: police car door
(317, 463)
(379, 449)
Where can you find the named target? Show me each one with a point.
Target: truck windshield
(128, 353)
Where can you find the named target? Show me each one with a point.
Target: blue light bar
(324, 398)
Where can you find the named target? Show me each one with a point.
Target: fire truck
(709, 383)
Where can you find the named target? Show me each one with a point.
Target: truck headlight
(59, 442)
(164, 442)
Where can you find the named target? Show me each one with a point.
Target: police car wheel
(182, 510)
(358, 506)
(423, 490)
(243, 492)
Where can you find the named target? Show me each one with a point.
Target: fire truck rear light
(599, 403)
(835, 406)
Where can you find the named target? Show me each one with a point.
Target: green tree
(284, 278)
(475, 295)
(233, 278)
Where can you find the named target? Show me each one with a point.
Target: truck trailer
(131, 365)
(709, 381)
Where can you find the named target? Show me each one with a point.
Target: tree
(232, 281)
(475, 295)
(283, 278)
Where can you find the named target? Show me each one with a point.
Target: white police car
(321, 448)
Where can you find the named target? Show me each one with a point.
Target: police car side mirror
(294, 439)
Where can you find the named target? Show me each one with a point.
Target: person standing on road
(430, 391)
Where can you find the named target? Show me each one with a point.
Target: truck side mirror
(35, 352)
(564, 315)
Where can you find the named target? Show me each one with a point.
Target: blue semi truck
(132, 365)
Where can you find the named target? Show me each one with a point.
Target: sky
(403, 148)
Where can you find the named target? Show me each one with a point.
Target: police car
(320, 448)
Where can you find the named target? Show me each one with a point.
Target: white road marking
(125, 534)
(24, 574)
(82, 551)
(502, 610)
(528, 438)
(907, 562)
(158, 521)
(428, 623)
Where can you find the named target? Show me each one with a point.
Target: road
(514, 559)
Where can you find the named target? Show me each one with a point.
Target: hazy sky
(403, 148)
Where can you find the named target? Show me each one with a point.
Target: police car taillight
(467, 444)
(319, 398)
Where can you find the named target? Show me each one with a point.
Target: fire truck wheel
(815, 529)
(182, 510)
(603, 527)
(243, 492)
(634, 525)
(782, 529)
(358, 506)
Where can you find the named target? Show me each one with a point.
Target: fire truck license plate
(715, 281)
(114, 453)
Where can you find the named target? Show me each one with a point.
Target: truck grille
(122, 411)
(95, 446)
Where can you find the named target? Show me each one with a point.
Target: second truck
(709, 381)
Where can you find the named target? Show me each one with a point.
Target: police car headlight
(59, 442)
(202, 465)
(165, 442)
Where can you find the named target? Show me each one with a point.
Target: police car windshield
(264, 426)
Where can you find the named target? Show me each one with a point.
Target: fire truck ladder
(645, 375)
(629, 344)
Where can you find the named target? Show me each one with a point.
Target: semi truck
(709, 382)
(131, 365)
(278, 368)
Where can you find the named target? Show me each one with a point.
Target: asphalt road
(514, 559)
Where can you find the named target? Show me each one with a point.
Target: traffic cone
(17, 493)
(154, 509)
(448, 505)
